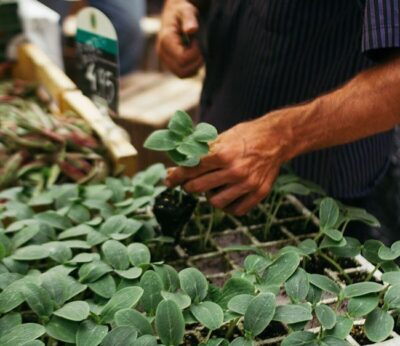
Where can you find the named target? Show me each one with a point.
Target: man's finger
(189, 69)
(172, 47)
(249, 201)
(228, 195)
(180, 175)
(209, 181)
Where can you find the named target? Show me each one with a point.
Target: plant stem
(231, 328)
(275, 204)
(208, 336)
(345, 226)
(336, 265)
(209, 228)
(180, 196)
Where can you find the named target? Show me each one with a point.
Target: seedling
(185, 145)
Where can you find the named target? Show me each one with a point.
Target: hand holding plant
(240, 170)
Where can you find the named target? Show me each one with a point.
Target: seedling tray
(224, 255)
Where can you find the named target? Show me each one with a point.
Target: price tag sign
(97, 47)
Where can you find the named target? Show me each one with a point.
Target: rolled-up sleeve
(381, 32)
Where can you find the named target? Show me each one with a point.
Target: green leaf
(392, 297)
(161, 140)
(300, 339)
(205, 133)
(194, 284)
(255, 264)
(328, 213)
(114, 224)
(259, 314)
(232, 288)
(90, 334)
(389, 254)
(362, 306)
(361, 215)
(209, 314)
(7, 322)
(314, 295)
(281, 269)
(324, 283)
(351, 249)
(328, 243)
(370, 250)
(117, 188)
(139, 254)
(85, 258)
(31, 253)
(77, 244)
(7, 279)
(241, 342)
(293, 313)
(21, 334)
(326, 316)
(34, 343)
(183, 160)
(74, 311)
(79, 214)
(38, 299)
(333, 341)
(192, 148)
(181, 299)
(25, 235)
(58, 251)
(361, 289)
(152, 286)
(308, 246)
(169, 323)
(392, 278)
(130, 274)
(129, 317)
(61, 329)
(342, 329)
(297, 286)
(240, 303)
(95, 238)
(146, 340)
(181, 124)
(104, 287)
(169, 277)
(124, 335)
(334, 234)
(123, 299)
(115, 254)
(54, 219)
(378, 325)
(91, 272)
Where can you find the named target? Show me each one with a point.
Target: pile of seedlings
(91, 265)
(40, 147)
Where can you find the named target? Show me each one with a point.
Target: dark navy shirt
(262, 55)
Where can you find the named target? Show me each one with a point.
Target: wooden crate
(147, 102)
(33, 65)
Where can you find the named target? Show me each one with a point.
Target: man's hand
(179, 21)
(239, 171)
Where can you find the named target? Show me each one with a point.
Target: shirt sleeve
(381, 31)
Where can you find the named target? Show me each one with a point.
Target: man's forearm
(368, 104)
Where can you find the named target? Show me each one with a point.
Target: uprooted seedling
(185, 145)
